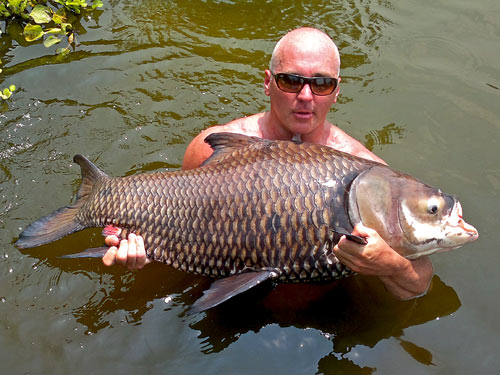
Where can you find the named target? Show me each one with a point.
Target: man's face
(302, 112)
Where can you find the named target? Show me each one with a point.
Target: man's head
(306, 52)
(306, 38)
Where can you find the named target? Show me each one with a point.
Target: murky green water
(421, 87)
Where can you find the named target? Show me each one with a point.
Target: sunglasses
(294, 83)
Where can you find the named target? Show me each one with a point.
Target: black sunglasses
(294, 83)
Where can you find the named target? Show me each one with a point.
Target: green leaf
(65, 27)
(6, 94)
(41, 14)
(32, 32)
(54, 30)
(4, 12)
(59, 16)
(50, 41)
(97, 4)
(14, 3)
(12, 88)
(75, 5)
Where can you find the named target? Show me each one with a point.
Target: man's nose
(305, 93)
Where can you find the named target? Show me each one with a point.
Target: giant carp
(260, 209)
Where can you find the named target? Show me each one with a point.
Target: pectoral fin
(223, 289)
(349, 236)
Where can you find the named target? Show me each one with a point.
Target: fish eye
(433, 208)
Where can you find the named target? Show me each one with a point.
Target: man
(302, 84)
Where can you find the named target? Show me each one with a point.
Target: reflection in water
(134, 295)
(384, 136)
(353, 312)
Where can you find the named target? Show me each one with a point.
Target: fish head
(432, 221)
(413, 218)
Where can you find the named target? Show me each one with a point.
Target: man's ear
(337, 91)
(267, 82)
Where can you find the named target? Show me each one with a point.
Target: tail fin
(63, 221)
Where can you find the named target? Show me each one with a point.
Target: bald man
(302, 83)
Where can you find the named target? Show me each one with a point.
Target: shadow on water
(350, 312)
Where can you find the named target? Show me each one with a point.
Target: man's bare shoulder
(250, 125)
(340, 140)
(198, 151)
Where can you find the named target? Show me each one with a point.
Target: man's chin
(301, 127)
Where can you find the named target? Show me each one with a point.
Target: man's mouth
(303, 114)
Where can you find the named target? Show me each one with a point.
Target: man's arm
(401, 277)
(198, 150)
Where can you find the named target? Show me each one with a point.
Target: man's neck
(270, 130)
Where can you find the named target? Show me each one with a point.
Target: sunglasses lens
(289, 82)
(323, 85)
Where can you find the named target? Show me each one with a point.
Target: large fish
(260, 209)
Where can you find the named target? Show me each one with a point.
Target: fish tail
(63, 221)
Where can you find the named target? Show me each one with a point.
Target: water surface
(420, 87)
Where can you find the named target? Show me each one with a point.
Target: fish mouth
(458, 228)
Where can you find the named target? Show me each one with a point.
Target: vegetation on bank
(50, 20)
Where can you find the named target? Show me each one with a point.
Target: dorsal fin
(90, 174)
(226, 143)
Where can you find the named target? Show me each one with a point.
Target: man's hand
(403, 278)
(130, 253)
(376, 258)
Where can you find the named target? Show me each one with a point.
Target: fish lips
(459, 227)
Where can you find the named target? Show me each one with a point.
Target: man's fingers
(109, 258)
(142, 259)
(348, 253)
(362, 231)
(132, 251)
(112, 240)
(350, 247)
(122, 253)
